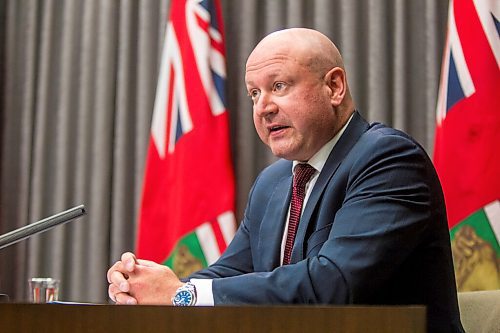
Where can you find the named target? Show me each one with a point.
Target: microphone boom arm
(41, 226)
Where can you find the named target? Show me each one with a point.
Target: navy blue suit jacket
(374, 231)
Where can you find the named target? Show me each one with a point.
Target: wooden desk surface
(114, 318)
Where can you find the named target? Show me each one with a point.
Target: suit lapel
(272, 226)
(353, 132)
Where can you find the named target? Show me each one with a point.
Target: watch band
(185, 295)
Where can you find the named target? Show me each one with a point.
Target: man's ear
(336, 81)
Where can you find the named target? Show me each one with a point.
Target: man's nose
(265, 105)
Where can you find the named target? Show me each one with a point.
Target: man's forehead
(262, 61)
(270, 68)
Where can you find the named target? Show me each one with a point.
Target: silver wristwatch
(185, 295)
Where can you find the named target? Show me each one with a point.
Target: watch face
(183, 298)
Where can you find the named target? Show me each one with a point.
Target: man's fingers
(119, 297)
(120, 281)
(112, 291)
(124, 298)
(118, 266)
(129, 261)
(147, 263)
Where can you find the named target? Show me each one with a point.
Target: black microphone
(41, 226)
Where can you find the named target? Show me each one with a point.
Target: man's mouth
(277, 128)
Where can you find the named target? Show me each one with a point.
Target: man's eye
(279, 86)
(254, 93)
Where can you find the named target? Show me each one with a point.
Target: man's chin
(283, 153)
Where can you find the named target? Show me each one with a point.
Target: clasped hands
(137, 281)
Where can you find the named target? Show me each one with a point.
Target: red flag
(467, 146)
(187, 210)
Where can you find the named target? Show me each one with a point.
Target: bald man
(352, 213)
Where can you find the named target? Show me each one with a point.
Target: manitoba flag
(467, 146)
(187, 210)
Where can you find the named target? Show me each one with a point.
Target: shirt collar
(318, 160)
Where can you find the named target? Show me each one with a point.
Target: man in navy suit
(373, 226)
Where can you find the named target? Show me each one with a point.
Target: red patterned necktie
(303, 172)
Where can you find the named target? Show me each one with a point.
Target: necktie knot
(303, 173)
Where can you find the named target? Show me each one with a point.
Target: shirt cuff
(204, 294)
